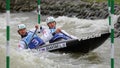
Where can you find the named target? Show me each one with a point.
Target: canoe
(76, 45)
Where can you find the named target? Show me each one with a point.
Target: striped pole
(112, 34)
(111, 23)
(38, 11)
(7, 33)
(109, 9)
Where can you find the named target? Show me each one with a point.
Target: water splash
(32, 59)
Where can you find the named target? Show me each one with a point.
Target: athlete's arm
(22, 45)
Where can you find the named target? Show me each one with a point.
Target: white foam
(13, 20)
(83, 29)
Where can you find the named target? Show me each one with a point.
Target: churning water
(99, 58)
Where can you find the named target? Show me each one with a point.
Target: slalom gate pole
(109, 11)
(39, 12)
(7, 33)
(111, 24)
(112, 34)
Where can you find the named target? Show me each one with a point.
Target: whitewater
(81, 28)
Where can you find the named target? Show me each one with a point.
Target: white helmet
(50, 19)
(21, 26)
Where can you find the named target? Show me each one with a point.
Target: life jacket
(34, 42)
(58, 36)
(52, 30)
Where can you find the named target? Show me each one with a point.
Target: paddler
(29, 39)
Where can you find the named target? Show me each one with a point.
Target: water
(99, 58)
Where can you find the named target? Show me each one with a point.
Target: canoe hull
(75, 45)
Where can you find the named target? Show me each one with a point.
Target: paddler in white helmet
(52, 25)
(29, 39)
(56, 32)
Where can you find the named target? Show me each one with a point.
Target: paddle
(68, 35)
(38, 22)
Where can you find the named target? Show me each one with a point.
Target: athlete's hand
(58, 30)
(36, 26)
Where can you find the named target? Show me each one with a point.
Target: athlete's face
(22, 31)
(51, 24)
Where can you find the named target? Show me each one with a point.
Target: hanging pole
(109, 11)
(111, 24)
(7, 33)
(39, 12)
(112, 34)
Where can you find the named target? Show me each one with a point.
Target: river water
(82, 28)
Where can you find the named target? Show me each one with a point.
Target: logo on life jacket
(35, 42)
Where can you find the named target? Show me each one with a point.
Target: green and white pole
(7, 33)
(109, 11)
(112, 34)
(111, 23)
(39, 12)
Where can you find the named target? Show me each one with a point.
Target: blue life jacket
(58, 36)
(34, 42)
(52, 30)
